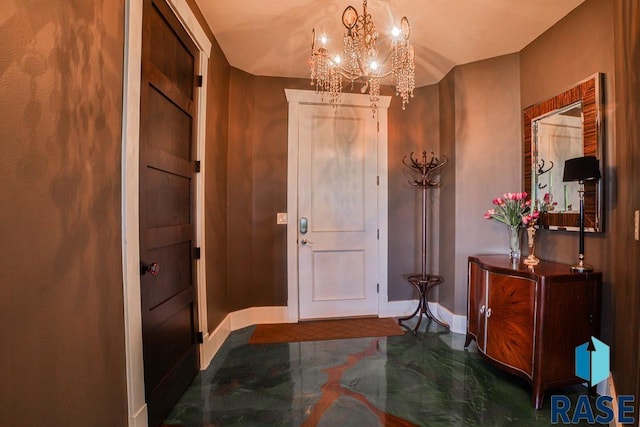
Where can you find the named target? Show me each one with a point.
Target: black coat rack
(424, 174)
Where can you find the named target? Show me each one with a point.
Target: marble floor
(425, 380)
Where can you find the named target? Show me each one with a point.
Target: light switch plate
(281, 218)
(636, 226)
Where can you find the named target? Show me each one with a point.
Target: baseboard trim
(258, 315)
(213, 341)
(280, 314)
(238, 320)
(457, 322)
(140, 417)
(610, 390)
(399, 308)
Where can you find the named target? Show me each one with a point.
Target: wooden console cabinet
(528, 321)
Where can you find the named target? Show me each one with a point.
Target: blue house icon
(592, 361)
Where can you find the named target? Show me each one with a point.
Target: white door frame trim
(296, 98)
(136, 405)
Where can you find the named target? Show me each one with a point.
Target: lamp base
(532, 260)
(581, 267)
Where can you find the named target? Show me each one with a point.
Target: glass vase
(514, 241)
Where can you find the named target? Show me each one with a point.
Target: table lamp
(581, 169)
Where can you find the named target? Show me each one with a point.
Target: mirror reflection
(563, 127)
(558, 137)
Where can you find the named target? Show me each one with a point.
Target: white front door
(337, 212)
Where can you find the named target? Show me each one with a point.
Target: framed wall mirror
(563, 127)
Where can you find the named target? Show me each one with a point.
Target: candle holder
(531, 259)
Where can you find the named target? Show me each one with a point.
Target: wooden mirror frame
(589, 93)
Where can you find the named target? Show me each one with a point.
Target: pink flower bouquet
(511, 209)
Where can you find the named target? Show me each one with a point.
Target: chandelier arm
(351, 76)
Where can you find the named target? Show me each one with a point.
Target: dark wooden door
(168, 299)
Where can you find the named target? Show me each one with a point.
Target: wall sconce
(581, 169)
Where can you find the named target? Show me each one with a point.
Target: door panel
(169, 122)
(169, 322)
(168, 299)
(338, 275)
(172, 55)
(171, 205)
(337, 174)
(170, 281)
(338, 195)
(510, 323)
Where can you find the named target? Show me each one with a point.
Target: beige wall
(257, 180)
(269, 165)
(587, 33)
(487, 152)
(586, 37)
(216, 170)
(62, 360)
(240, 190)
(413, 130)
(480, 127)
(257, 188)
(447, 238)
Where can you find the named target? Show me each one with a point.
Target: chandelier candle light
(360, 59)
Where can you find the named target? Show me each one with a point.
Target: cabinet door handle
(482, 309)
(488, 312)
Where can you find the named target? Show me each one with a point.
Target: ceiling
(273, 38)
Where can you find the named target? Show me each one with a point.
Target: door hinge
(378, 126)
(196, 166)
(378, 287)
(378, 234)
(200, 337)
(591, 318)
(378, 180)
(196, 253)
(199, 81)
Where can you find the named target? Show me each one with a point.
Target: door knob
(152, 268)
(306, 242)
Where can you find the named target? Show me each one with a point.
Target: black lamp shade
(581, 169)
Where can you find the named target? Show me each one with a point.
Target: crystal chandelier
(359, 61)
